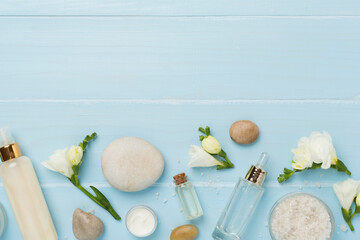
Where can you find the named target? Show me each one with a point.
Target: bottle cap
(9, 149)
(257, 174)
(180, 178)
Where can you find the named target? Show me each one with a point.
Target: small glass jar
(188, 197)
(144, 215)
(3, 220)
(294, 194)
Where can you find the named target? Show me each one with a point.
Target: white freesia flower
(322, 149)
(74, 155)
(346, 192)
(211, 145)
(318, 148)
(302, 155)
(59, 163)
(200, 158)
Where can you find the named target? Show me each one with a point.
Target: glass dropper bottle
(242, 204)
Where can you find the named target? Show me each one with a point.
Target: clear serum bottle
(24, 192)
(187, 196)
(242, 204)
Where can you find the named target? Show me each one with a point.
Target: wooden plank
(180, 8)
(173, 128)
(62, 201)
(180, 58)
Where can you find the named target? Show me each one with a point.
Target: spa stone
(131, 164)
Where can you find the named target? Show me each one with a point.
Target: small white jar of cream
(141, 221)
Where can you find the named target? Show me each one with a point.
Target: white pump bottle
(24, 191)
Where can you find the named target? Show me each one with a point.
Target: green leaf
(105, 202)
(315, 166)
(286, 175)
(341, 167)
(288, 171)
(283, 177)
(101, 197)
(207, 131)
(202, 130)
(346, 214)
(86, 140)
(201, 137)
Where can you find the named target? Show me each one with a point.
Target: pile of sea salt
(301, 217)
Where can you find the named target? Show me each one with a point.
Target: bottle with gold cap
(240, 208)
(24, 192)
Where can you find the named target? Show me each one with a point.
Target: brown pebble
(86, 226)
(184, 232)
(244, 132)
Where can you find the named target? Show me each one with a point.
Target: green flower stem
(339, 166)
(97, 201)
(348, 217)
(350, 225)
(349, 222)
(227, 163)
(90, 195)
(230, 164)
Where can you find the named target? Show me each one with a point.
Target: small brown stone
(86, 226)
(184, 232)
(244, 132)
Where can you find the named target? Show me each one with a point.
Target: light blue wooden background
(160, 69)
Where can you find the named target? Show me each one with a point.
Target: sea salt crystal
(301, 217)
(343, 227)
(91, 211)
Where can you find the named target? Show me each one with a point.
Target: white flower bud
(358, 200)
(211, 145)
(74, 155)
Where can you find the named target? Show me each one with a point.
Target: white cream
(141, 221)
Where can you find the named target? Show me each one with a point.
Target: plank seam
(199, 184)
(186, 101)
(220, 17)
